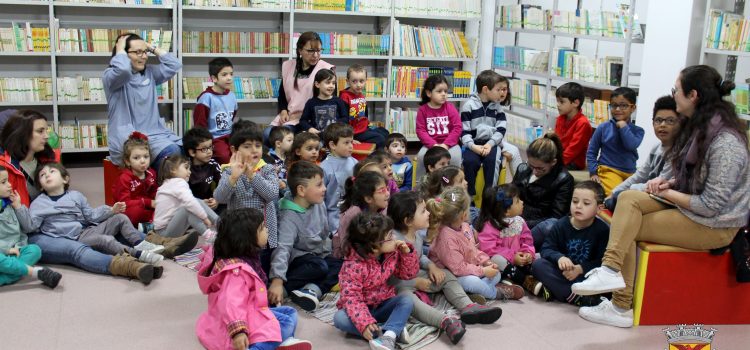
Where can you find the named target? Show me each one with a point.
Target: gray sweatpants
(101, 237)
(501, 262)
(426, 313)
(183, 219)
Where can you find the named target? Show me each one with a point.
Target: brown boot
(174, 246)
(128, 266)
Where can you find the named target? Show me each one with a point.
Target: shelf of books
(118, 5)
(24, 2)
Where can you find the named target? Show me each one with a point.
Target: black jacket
(547, 197)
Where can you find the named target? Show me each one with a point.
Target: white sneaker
(149, 247)
(404, 337)
(295, 344)
(150, 258)
(598, 281)
(605, 313)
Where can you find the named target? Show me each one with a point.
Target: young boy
(434, 159)
(205, 173)
(574, 246)
(667, 125)
(395, 146)
(280, 141)
(248, 182)
(337, 167)
(302, 264)
(216, 108)
(353, 96)
(484, 128)
(572, 126)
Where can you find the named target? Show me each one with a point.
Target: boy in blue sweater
(337, 167)
(395, 146)
(216, 109)
(613, 149)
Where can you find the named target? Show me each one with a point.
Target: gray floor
(90, 311)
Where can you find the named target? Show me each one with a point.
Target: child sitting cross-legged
(205, 172)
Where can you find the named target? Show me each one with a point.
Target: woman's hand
(656, 185)
(283, 117)
(120, 45)
(240, 341)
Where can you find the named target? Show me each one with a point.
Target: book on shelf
(266, 4)
(402, 120)
(740, 98)
(24, 37)
(452, 8)
(610, 24)
(572, 65)
(121, 2)
(407, 81)
(244, 88)
(727, 31)
(522, 16)
(374, 86)
(423, 41)
(79, 88)
(522, 58)
(82, 135)
(352, 44)
(521, 131)
(102, 40)
(528, 93)
(25, 89)
(366, 6)
(235, 42)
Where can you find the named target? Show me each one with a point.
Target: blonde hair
(446, 209)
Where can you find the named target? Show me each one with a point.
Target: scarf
(686, 181)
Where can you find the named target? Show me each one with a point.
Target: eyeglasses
(538, 168)
(313, 52)
(388, 238)
(383, 189)
(621, 107)
(674, 91)
(205, 149)
(666, 121)
(139, 52)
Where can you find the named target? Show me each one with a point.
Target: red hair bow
(138, 136)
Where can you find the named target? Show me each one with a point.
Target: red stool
(362, 150)
(111, 174)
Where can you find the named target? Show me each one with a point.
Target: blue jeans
(472, 162)
(311, 269)
(394, 312)
(287, 317)
(58, 250)
(540, 231)
(484, 285)
(170, 150)
(373, 135)
(551, 277)
(13, 268)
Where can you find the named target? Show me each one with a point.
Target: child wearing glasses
(613, 149)
(205, 172)
(216, 108)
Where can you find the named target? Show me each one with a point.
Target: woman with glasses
(710, 189)
(130, 85)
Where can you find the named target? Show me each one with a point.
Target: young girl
(17, 257)
(409, 214)
(455, 248)
(373, 256)
(380, 161)
(230, 273)
(137, 186)
(306, 146)
(325, 108)
(613, 149)
(438, 180)
(176, 207)
(438, 122)
(504, 236)
(366, 192)
(58, 212)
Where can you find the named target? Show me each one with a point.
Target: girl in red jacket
(137, 183)
(366, 298)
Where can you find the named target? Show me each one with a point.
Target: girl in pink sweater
(438, 121)
(454, 247)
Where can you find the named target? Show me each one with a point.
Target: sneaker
(475, 313)
(532, 285)
(587, 300)
(509, 292)
(209, 236)
(49, 277)
(605, 313)
(404, 337)
(305, 298)
(598, 281)
(383, 343)
(150, 258)
(478, 298)
(147, 246)
(546, 294)
(295, 344)
(453, 328)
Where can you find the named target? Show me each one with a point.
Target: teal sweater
(14, 223)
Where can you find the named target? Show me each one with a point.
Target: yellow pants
(610, 178)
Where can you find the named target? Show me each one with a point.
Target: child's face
(139, 160)
(326, 87)
(439, 94)
(516, 208)
(380, 197)
(566, 107)
(621, 108)
(262, 235)
(183, 171)
(357, 81)
(386, 168)
(5, 187)
(309, 151)
(583, 207)
(666, 126)
(421, 218)
(285, 145)
(203, 152)
(343, 147)
(225, 79)
(52, 180)
(250, 151)
(314, 191)
(460, 180)
(498, 93)
(442, 163)
(396, 150)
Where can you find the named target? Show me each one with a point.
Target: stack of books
(79, 88)
(22, 37)
(366, 6)
(82, 135)
(528, 93)
(103, 40)
(522, 17)
(727, 31)
(611, 24)
(244, 88)
(374, 86)
(420, 41)
(521, 131)
(267, 4)
(523, 58)
(25, 89)
(453, 8)
(407, 81)
(235, 42)
(353, 44)
(572, 65)
(402, 120)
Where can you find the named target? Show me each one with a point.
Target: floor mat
(190, 259)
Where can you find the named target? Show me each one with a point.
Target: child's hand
(240, 341)
(370, 331)
(508, 157)
(437, 274)
(313, 131)
(422, 284)
(486, 149)
(119, 207)
(207, 222)
(490, 271)
(519, 259)
(15, 200)
(565, 264)
(402, 246)
(477, 149)
(238, 167)
(596, 179)
(276, 292)
(211, 203)
(442, 145)
(621, 124)
(528, 258)
(14, 251)
(573, 273)
(282, 184)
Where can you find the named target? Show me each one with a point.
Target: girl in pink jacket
(238, 316)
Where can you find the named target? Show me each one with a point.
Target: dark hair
(665, 102)
(366, 231)
(433, 156)
(169, 165)
(217, 64)
(299, 141)
(593, 187)
(360, 186)
(250, 134)
(16, 133)
(131, 37)
(321, 76)
(490, 79)
(430, 84)
(237, 234)
(496, 201)
(242, 125)
(626, 92)
(194, 137)
(135, 140)
(277, 134)
(301, 42)
(402, 206)
(336, 131)
(547, 148)
(395, 137)
(379, 156)
(355, 68)
(300, 174)
(54, 165)
(439, 180)
(571, 91)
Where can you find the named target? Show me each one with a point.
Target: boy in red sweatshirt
(354, 97)
(572, 126)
